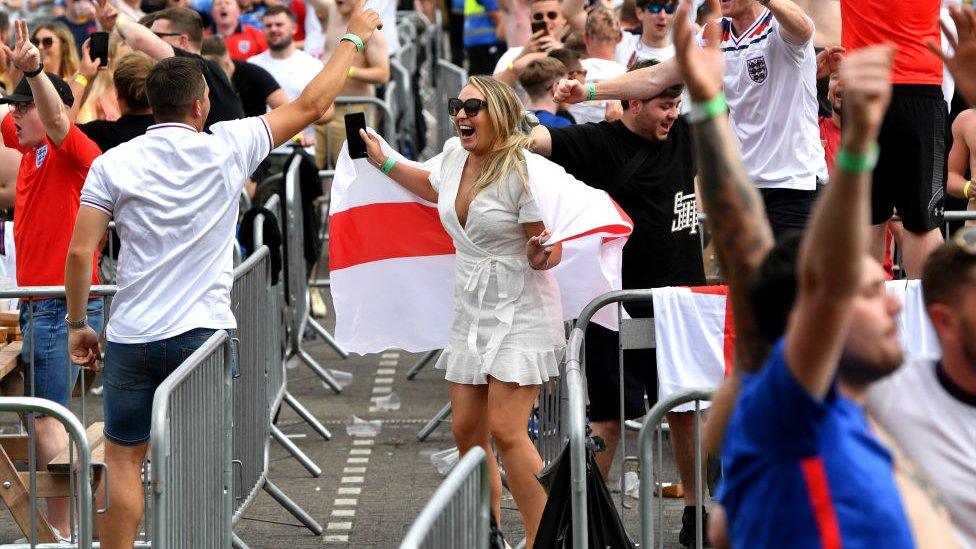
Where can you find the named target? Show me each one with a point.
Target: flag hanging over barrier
(391, 262)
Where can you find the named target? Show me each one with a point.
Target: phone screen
(539, 26)
(355, 121)
(98, 47)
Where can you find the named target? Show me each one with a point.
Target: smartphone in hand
(539, 26)
(98, 47)
(355, 121)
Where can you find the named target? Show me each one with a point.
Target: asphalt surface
(371, 488)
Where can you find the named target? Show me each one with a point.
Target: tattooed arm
(735, 211)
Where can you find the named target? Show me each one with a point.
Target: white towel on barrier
(392, 263)
(8, 266)
(918, 338)
(694, 338)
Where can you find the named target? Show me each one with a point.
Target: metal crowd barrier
(450, 79)
(652, 423)
(958, 216)
(191, 450)
(300, 314)
(76, 431)
(251, 301)
(385, 114)
(277, 360)
(458, 514)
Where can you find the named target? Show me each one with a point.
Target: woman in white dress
(507, 333)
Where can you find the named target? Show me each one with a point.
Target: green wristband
(701, 112)
(590, 92)
(857, 163)
(387, 166)
(356, 41)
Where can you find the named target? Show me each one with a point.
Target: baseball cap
(23, 94)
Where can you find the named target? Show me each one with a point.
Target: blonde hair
(505, 113)
(103, 86)
(69, 50)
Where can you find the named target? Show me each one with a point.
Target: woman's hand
(537, 253)
(373, 150)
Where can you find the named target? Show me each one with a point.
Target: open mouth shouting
(465, 130)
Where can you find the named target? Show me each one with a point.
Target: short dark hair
(773, 290)
(181, 20)
(673, 92)
(540, 74)
(947, 270)
(130, 76)
(213, 46)
(279, 9)
(565, 56)
(173, 85)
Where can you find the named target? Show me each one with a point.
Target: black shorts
(911, 172)
(787, 209)
(603, 373)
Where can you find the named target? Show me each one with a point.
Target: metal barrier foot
(326, 376)
(319, 329)
(433, 424)
(421, 364)
(293, 508)
(307, 416)
(306, 462)
(237, 543)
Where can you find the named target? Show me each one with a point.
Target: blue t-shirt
(801, 473)
(550, 120)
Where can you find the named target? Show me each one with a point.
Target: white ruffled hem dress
(507, 316)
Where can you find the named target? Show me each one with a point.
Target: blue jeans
(54, 375)
(132, 373)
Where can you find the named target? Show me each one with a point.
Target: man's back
(174, 196)
(907, 24)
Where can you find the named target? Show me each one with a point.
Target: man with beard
(291, 67)
(645, 161)
(830, 125)
(175, 32)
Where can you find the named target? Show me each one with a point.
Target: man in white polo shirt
(173, 193)
(770, 84)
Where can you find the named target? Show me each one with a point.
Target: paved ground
(370, 489)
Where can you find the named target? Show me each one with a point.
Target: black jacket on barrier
(272, 237)
(604, 527)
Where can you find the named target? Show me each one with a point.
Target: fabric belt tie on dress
(510, 275)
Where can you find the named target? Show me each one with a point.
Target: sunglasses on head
(539, 15)
(658, 8)
(965, 240)
(471, 107)
(45, 42)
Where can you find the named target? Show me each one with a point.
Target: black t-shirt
(107, 134)
(665, 247)
(224, 103)
(253, 85)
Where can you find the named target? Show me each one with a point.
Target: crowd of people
(818, 137)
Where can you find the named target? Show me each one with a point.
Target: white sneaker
(319, 310)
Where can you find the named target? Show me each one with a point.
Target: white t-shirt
(630, 50)
(771, 89)
(597, 70)
(504, 61)
(292, 74)
(174, 194)
(937, 430)
(314, 35)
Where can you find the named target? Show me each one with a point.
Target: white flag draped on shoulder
(392, 263)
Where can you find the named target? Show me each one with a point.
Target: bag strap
(629, 170)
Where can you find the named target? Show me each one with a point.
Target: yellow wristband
(511, 67)
(120, 21)
(349, 72)
(81, 79)
(966, 188)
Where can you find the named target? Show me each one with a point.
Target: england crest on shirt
(40, 154)
(244, 46)
(757, 69)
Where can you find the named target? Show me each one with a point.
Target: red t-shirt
(49, 186)
(830, 138)
(246, 42)
(298, 8)
(908, 24)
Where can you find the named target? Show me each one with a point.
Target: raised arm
(832, 256)
(962, 63)
(413, 179)
(377, 69)
(52, 111)
(794, 25)
(137, 36)
(317, 98)
(639, 84)
(736, 216)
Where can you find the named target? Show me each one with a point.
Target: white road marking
(339, 526)
(352, 480)
(354, 470)
(384, 390)
(349, 491)
(358, 460)
(386, 372)
(383, 380)
(360, 451)
(345, 501)
(344, 513)
(362, 442)
(343, 538)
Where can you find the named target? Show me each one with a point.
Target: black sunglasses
(471, 106)
(45, 42)
(658, 8)
(164, 34)
(538, 16)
